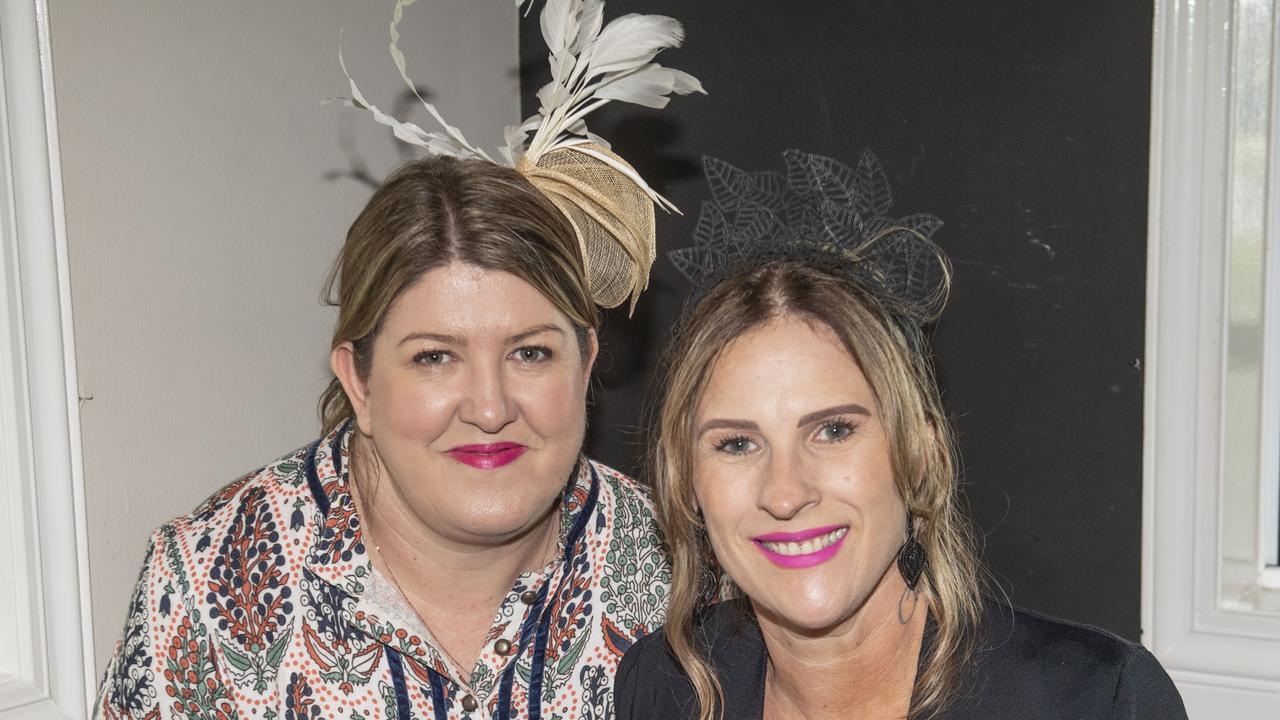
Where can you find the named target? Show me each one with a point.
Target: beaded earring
(911, 557)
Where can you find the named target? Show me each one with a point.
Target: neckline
(736, 643)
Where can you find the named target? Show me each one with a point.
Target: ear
(593, 349)
(343, 363)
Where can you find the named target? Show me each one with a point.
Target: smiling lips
(802, 549)
(488, 457)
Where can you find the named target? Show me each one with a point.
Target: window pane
(1245, 448)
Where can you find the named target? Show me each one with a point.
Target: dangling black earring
(911, 557)
(708, 592)
(708, 582)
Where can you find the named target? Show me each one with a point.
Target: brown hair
(920, 450)
(439, 210)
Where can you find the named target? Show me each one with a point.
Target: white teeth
(807, 547)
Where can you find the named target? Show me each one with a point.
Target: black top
(1025, 667)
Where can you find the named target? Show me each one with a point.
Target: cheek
(880, 512)
(402, 405)
(865, 482)
(724, 502)
(553, 405)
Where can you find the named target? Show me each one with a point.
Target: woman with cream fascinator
(443, 550)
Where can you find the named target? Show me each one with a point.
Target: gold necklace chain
(366, 527)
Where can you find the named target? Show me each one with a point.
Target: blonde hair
(920, 449)
(439, 210)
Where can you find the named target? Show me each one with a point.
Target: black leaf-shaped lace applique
(825, 213)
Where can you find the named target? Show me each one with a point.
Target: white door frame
(1225, 662)
(46, 658)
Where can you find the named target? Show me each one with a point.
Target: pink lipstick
(488, 457)
(802, 549)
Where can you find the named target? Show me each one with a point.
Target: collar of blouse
(370, 603)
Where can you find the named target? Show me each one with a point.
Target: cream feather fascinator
(592, 63)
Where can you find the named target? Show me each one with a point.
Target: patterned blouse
(263, 603)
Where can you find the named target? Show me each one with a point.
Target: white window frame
(1269, 497)
(46, 659)
(1226, 661)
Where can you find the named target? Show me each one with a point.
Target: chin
(806, 604)
(805, 616)
(497, 525)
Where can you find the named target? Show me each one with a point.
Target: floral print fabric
(263, 603)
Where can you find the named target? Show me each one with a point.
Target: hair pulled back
(433, 212)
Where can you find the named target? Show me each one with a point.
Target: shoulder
(652, 684)
(1013, 630)
(1080, 670)
(280, 483)
(274, 499)
(644, 657)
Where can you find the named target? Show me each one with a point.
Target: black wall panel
(1024, 125)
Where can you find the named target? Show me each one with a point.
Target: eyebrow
(848, 409)
(454, 340)
(433, 337)
(519, 337)
(729, 424)
(732, 424)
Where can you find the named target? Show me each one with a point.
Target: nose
(486, 402)
(786, 488)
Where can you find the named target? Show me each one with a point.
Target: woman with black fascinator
(804, 469)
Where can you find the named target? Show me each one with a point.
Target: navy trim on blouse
(404, 711)
(313, 479)
(538, 623)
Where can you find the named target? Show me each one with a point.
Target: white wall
(201, 219)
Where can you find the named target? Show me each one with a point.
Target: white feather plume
(613, 62)
(648, 85)
(592, 64)
(633, 40)
(559, 23)
(434, 142)
(589, 22)
(398, 57)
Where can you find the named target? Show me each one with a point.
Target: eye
(532, 354)
(432, 357)
(736, 445)
(835, 431)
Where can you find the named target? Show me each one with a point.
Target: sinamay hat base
(612, 217)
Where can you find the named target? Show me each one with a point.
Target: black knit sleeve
(632, 696)
(1145, 691)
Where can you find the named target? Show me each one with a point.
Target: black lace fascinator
(826, 214)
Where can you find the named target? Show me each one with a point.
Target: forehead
(462, 299)
(785, 367)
